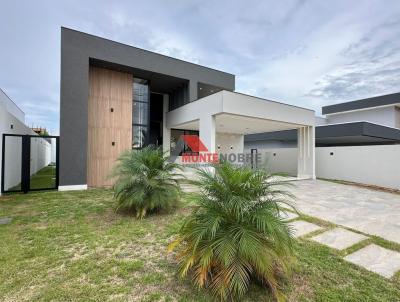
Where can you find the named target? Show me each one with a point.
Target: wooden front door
(109, 122)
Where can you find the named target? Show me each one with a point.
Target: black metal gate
(29, 163)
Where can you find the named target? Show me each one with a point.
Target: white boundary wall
(372, 165)
(377, 165)
(40, 154)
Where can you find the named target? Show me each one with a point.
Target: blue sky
(307, 53)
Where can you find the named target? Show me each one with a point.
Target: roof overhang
(356, 133)
(369, 103)
(241, 114)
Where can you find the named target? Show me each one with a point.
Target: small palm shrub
(146, 181)
(235, 234)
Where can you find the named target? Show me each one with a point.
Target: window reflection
(139, 134)
(140, 113)
(176, 136)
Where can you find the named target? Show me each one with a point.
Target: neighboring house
(116, 97)
(40, 131)
(12, 121)
(356, 141)
(371, 121)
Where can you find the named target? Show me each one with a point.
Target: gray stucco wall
(76, 50)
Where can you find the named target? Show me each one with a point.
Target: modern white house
(116, 97)
(380, 110)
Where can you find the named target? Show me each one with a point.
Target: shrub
(146, 181)
(235, 234)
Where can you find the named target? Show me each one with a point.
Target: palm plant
(235, 235)
(146, 181)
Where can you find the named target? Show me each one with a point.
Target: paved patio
(369, 211)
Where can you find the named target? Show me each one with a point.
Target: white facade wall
(12, 125)
(397, 117)
(229, 143)
(282, 160)
(387, 116)
(319, 120)
(40, 156)
(372, 165)
(9, 106)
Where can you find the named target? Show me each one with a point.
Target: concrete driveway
(369, 211)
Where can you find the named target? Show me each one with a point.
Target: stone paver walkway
(372, 257)
(376, 259)
(302, 228)
(369, 211)
(339, 238)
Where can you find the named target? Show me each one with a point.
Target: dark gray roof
(285, 135)
(356, 133)
(377, 101)
(335, 135)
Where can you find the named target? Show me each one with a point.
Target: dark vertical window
(179, 97)
(140, 113)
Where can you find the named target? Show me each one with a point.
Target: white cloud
(308, 53)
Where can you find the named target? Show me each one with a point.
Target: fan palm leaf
(235, 234)
(146, 181)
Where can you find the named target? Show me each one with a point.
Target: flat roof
(337, 134)
(239, 104)
(144, 50)
(377, 101)
(358, 129)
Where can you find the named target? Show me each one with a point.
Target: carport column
(306, 152)
(166, 131)
(207, 132)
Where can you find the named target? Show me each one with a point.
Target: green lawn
(43, 179)
(72, 246)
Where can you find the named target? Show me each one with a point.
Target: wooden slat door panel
(109, 121)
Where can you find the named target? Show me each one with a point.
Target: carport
(227, 116)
